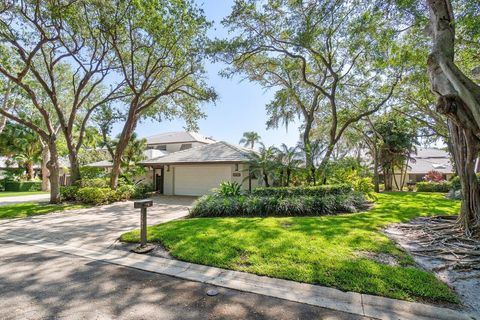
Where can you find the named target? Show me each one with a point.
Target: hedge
(314, 191)
(23, 186)
(260, 206)
(434, 186)
(99, 196)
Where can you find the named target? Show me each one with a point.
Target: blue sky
(241, 104)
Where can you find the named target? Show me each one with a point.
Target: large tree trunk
(127, 133)
(387, 177)
(29, 170)
(307, 145)
(466, 150)
(54, 169)
(376, 176)
(74, 166)
(323, 165)
(459, 99)
(45, 171)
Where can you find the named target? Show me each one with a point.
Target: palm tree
(134, 151)
(22, 145)
(250, 138)
(263, 164)
(289, 158)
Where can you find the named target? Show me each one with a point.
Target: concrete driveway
(21, 199)
(97, 226)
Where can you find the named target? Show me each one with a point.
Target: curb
(325, 297)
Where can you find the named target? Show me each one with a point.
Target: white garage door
(199, 180)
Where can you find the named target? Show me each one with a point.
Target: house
(424, 161)
(177, 141)
(187, 163)
(197, 170)
(428, 159)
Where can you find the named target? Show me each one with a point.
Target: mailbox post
(143, 205)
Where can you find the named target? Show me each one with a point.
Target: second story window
(162, 147)
(185, 146)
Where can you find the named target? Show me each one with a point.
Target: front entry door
(159, 182)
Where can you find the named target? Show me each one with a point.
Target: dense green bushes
(93, 191)
(23, 186)
(96, 196)
(254, 205)
(444, 186)
(316, 191)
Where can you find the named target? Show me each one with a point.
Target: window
(162, 147)
(185, 146)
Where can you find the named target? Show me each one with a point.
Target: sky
(241, 104)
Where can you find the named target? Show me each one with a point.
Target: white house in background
(428, 159)
(197, 170)
(177, 141)
(187, 163)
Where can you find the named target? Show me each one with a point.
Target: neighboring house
(426, 160)
(177, 141)
(196, 171)
(429, 159)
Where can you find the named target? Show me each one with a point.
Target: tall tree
(59, 61)
(459, 99)
(159, 46)
(250, 138)
(335, 60)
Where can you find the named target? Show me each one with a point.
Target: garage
(198, 180)
(196, 171)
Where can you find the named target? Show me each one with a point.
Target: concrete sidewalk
(354, 303)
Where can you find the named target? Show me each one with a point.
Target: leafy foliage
(433, 176)
(444, 186)
(261, 206)
(229, 189)
(313, 191)
(23, 185)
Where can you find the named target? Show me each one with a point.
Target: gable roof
(178, 137)
(430, 159)
(220, 151)
(100, 164)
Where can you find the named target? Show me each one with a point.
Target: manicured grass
(26, 209)
(322, 250)
(19, 194)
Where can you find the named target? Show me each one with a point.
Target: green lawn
(18, 194)
(26, 209)
(321, 250)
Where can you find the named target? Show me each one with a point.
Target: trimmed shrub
(142, 191)
(69, 193)
(260, 206)
(93, 183)
(23, 186)
(315, 191)
(125, 192)
(433, 186)
(96, 196)
(455, 183)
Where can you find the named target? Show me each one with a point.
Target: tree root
(441, 238)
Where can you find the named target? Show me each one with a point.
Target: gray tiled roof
(178, 137)
(220, 151)
(431, 159)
